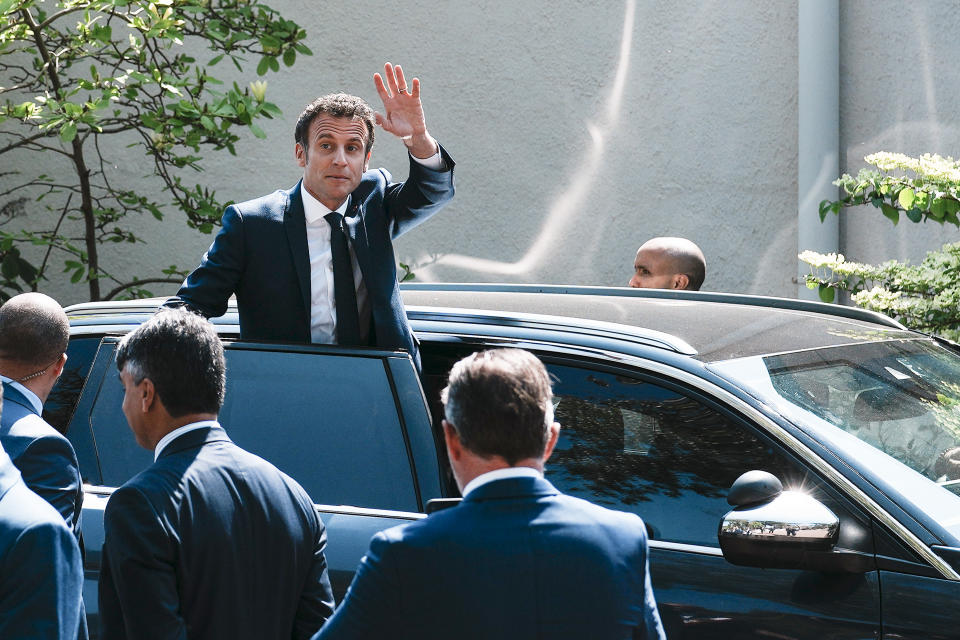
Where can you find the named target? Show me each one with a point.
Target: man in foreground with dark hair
(516, 558)
(210, 541)
(34, 332)
(41, 573)
(668, 263)
(315, 263)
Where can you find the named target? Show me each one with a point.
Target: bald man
(34, 333)
(668, 263)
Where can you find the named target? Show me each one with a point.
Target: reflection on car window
(59, 406)
(636, 446)
(902, 397)
(330, 422)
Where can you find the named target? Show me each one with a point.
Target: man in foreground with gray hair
(516, 558)
(210, 541)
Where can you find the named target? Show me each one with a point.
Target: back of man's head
(182, 355)
(499, 403)
(34, 330)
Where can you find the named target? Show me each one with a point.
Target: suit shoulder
(22, 509)
(264, 206)
(602, 515)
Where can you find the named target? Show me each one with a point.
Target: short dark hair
(339, 105)
(694, 268)
(34, 330)
(500, 403)
(182, 355)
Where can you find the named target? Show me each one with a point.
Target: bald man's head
(668, 263)
(34, 330)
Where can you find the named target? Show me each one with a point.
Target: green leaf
(914, 215)
(289, 57)
(68, 132)
(812, 284)
(264, 65)
(11, 266)
(824, 209)
(257, 131)
(906, 198)
(938, 209)
(207, 123)
(827, 293)
(890, 212)
(5, 6)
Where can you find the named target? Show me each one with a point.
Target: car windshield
(899, 399)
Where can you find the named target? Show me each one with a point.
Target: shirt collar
(314, 210)
(500, 474)
(179, 431)
(29, 395)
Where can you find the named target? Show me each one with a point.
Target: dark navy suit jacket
(41, 574)
(212, 542)
(516, 559)
(261, 255)
(45, 458)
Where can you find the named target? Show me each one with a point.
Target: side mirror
(780, 529)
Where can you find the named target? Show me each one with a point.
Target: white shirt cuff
(434, 162)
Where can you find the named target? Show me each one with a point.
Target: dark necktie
(345, 293)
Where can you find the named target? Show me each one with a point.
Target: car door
(649, 445)
(644, 443)
(351, 426)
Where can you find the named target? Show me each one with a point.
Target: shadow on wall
(559, 221)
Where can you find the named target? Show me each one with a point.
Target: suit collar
(523, 487)
(18, 394)
(194, 440)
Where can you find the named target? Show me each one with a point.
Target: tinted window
(636, 446)
(328, 421)
(59, 407)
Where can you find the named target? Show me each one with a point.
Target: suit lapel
(356, 228)
(295, 225)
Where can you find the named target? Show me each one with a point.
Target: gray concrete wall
(898, 93)
(581, 129)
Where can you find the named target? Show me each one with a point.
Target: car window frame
(422, 479)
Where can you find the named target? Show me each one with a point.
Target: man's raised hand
(403, 112)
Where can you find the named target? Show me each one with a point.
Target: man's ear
(300, 154)
(148, 395)
(366, 161)
(681, 281)
(57, 368)
(452, 438)
(551, 440)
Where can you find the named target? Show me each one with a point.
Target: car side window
(328, 421)
(60, 404)
(637, 446)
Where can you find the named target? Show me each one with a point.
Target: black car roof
(708, 326)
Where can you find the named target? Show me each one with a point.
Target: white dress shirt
(29, 395)
(500, 474)
(179, 431)
(323, 308)
(323, 311)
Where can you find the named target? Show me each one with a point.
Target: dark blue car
(797, 464)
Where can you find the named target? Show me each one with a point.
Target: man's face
(133, 405)
(653, 270)
(336, 158)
